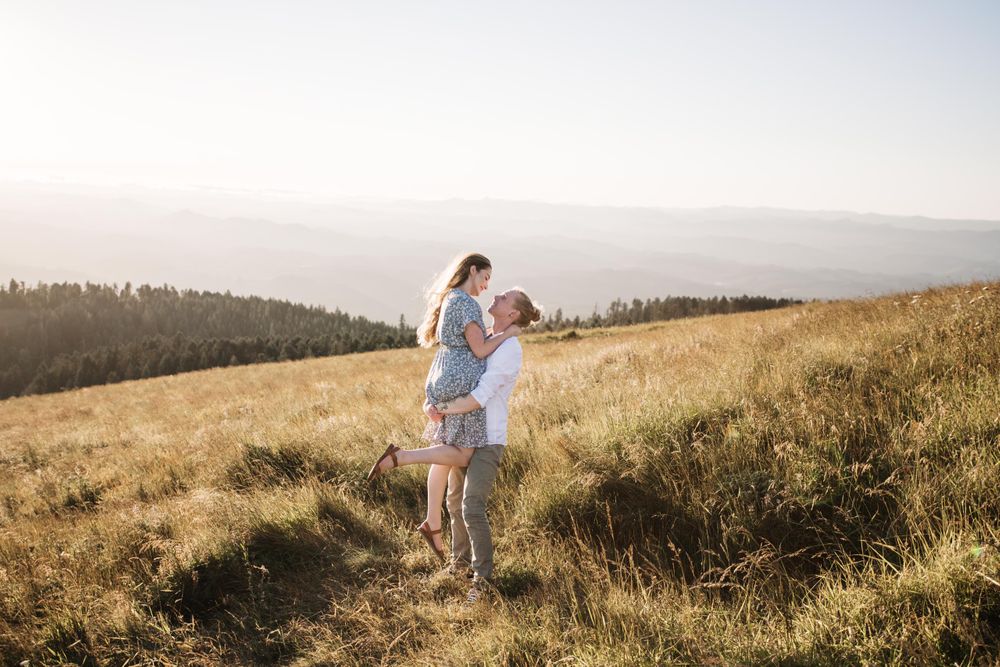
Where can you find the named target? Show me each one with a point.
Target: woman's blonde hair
(530, 312)
(453, 276)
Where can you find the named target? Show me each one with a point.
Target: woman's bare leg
(446, 455)
(441, 459)
(437, 483)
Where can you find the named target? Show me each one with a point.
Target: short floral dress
(456, 372)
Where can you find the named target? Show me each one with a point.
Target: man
(469, 488)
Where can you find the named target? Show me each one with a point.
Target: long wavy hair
(454, 276)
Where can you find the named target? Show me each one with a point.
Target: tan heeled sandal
(428, 536)
(390, 452)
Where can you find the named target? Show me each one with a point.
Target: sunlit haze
(891, 107)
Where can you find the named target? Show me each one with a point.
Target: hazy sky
(880, 106)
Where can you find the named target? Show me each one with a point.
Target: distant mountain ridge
(374, 258)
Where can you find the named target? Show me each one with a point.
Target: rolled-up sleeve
(501, 370)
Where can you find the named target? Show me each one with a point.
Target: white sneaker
(477, 591)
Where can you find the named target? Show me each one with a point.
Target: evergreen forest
(62, 336)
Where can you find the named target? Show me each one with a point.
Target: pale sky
(892, 107)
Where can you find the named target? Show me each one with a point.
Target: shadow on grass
(683, 496)
(515, 581)
(281, 567)
(263, 466)
(67, 642)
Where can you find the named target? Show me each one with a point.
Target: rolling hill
(809, 485)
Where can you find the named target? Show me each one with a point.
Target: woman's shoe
(390, 452)
(428, 536)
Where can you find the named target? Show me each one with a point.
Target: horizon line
(307, 195)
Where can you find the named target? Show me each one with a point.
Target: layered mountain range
(374, 258)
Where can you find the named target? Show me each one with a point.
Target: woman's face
(480, 280)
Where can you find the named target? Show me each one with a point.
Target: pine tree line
(620, 313)
(63, 336)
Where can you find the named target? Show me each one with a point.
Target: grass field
(813, 485)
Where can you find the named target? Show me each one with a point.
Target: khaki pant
(468, 490)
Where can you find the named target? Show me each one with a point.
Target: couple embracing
(467, 390)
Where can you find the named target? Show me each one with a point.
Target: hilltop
(809, 485)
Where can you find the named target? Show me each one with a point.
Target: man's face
(502, 307)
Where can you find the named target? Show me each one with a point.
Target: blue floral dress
(455, 372)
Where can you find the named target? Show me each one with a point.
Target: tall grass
(814, 485)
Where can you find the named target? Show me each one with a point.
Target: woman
(455, 320)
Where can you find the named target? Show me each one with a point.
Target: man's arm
(502, 370)
(458, 406)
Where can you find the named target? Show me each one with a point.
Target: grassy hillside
(813, 485)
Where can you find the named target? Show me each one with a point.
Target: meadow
(815, 485)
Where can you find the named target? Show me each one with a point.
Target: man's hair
(530, 312)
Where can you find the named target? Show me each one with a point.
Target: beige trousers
(468, 491)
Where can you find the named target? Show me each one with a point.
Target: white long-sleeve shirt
(495, 385)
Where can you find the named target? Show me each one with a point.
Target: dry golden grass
(816, 485)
